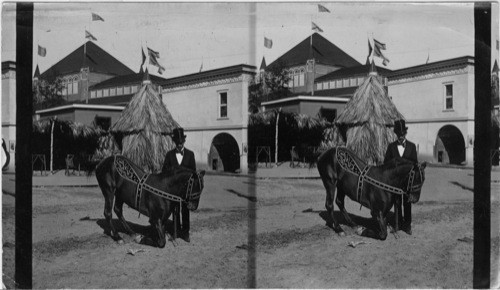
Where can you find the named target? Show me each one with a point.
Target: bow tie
(181, 152)
(402, 144)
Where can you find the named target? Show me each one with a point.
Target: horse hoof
(360, 230)
(138, 239)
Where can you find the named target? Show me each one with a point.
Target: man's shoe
(406, 229)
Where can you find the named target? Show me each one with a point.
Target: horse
(374, 187)
(153, 195)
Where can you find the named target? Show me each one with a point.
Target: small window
(325, 85)
(301, 77)
(290, 82)
(112, 92)
(75, 87)
(319, 86)
(105, 93)
(99, 93)
(223, 105)
(339, 83)
(332, 84)
(360, 80)
(352, 82)
(119, 91)
(70, 88)
(126, 90)
(345, 83)
(134, 89)
(92, 94)
(448, 97)
(64, 91)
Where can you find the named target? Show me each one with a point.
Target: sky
(189, 36)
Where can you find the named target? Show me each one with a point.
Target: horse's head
(194, 187)
(416, 179)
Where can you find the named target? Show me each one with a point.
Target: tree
(271, 85)
(47, 94)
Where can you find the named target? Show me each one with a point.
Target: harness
(348, 163)
(126, 171)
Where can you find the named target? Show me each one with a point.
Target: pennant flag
(370, 49)
(377, 51)
(427, 61)
(153, 53)
(322, 8)
(316, 27)
(143, 57)
(88, 35)
(42, 51)
(96, 17)
(268, 43)
(201, 67)
(161, 69)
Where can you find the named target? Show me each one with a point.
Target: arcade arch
(450, 146)
(224, 154)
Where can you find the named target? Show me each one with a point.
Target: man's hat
(178, 134)
(400, 127)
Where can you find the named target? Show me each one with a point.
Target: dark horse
(374, 187)
(154, 195)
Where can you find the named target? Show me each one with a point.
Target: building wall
(312, 108)
(420, 98)
(196, 108)
(9, 112)
(83, 116)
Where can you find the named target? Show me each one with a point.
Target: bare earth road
(270, 230)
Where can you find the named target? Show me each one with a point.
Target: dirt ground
(268, 233)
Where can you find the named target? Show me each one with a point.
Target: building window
(345, 83)
(70, 88)
(99, 93)
(352, 82)
(134, 89)
(75, 86)
(92, 94)
(301, 77)
(105, 93)
(332, 84)
(325, 85)
(339, 84)
(360, 80)
(112, 92)
(64, 91)
(319, 86)
(448, 96)
(126, 90)
(223, 105)
(119, 91)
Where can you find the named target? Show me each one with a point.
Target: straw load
(143, 129)
(366, 122)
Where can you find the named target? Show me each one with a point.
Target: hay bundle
(366, 122)
(143, 130)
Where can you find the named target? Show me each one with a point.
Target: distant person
(407, 150)
(175, 158)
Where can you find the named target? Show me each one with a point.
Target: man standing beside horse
(407, 150)
(175, 158)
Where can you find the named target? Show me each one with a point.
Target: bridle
(190, 195)
(411, 188)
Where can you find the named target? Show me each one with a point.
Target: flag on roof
(143, 57)
(96, 17)
(322, 8)
(42, 51)
(88, 35)
(201, 66)
(370, 49)
(428, 56)
(316, 27)
(377, 51)
(153, 53)
(268, 43)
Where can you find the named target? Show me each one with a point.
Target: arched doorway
(450, 146)
(224, 153)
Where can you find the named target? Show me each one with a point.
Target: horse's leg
(161, 232)
(330, 194)
(339, 200)
(108, 214)
(119, 213)
(398, 215)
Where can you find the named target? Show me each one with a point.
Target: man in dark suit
(180, 157)
(405, 149)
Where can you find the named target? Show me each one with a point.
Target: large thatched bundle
(366, 122)
(143, 129)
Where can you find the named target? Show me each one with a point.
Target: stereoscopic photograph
(157, 145)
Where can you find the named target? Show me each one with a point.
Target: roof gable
(97, 59)
(362, 70)
(323, 51)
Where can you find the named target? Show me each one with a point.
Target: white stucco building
(9, 110)
(437, 100)
(212, 107)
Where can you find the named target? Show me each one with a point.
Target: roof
(134, 78)
(437, 66)
(81, 107)
(37, 72)
(97, 59)
(263, 64)
(361, 70)
(495, 67)
(229, 71)
(324, 52)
